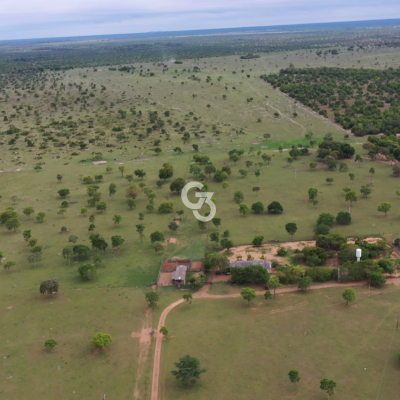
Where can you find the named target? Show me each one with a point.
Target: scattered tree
(351, 196)
(248, 294)
(291, 228)
(117, 219)
(112, 189)
(385, 207)
(327, 386)
(164, 331)
(28, 211)
(87, 271)
(244, 209)
(152, 298)
(40, 216)
(294, 376)
(257, 207)
(304, 283)
(349, 295)
(257, 241)
(101, 340)
(140, 230)
(275, 208)
(274, 284)
(188, 370)
(188, 297)
(50, 286)
(63, 193)
(8, 264)
(50, 344)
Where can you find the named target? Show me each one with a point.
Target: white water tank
(358, 254)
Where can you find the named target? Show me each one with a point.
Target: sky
(27, 19)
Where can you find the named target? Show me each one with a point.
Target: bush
(314, 256)
(348, 253)
(275, 208)
(257, 241)
(387, 265)
(282, 252)
(343, 218)
(275, 263)
(87, 271)
(376, 278)
(326, 219)
(332, 241)
(258, 207)
(250, 274)
(320, 274)
(357, 270)
(166, 207)
(289, 274)
(157, 236)
(101, 340)
(321, 229)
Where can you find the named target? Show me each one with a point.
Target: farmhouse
(179, 275)
(173, 271)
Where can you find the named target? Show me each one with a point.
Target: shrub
(275, 263)
(166, 207)
(343, 218)
(332, 241)
(250, 274)
(357, 270)
(257, 207)
(282, 252)
(321, 229)
(314, 256)
(320, 274)
(157, 236)
(387, 265)
(289, 274)
(257, 241)
(326, 219)
(376, 278)
(348, 253)
(275, 208)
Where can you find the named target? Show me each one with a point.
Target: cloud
(45, 18)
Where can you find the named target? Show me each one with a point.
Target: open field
(322, 339)
(113, 301)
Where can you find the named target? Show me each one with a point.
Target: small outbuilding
(179, 275)
(242, 264)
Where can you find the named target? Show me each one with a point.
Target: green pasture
(113, 301)
(248, 352)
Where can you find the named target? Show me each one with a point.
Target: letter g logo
(204, 197)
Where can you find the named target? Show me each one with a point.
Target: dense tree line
(367, 101)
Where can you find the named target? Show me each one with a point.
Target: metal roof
(180, 273)
(266, 264)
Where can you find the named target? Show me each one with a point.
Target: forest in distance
(66, 53)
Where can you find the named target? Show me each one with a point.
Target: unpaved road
(203, 294)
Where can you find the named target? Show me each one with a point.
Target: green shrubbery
(250, 274)
(360, 270)
(314, 256)
(321, 274)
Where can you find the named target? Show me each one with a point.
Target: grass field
(114, 301)
(248, 352)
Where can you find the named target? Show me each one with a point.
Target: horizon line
(191, 31)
